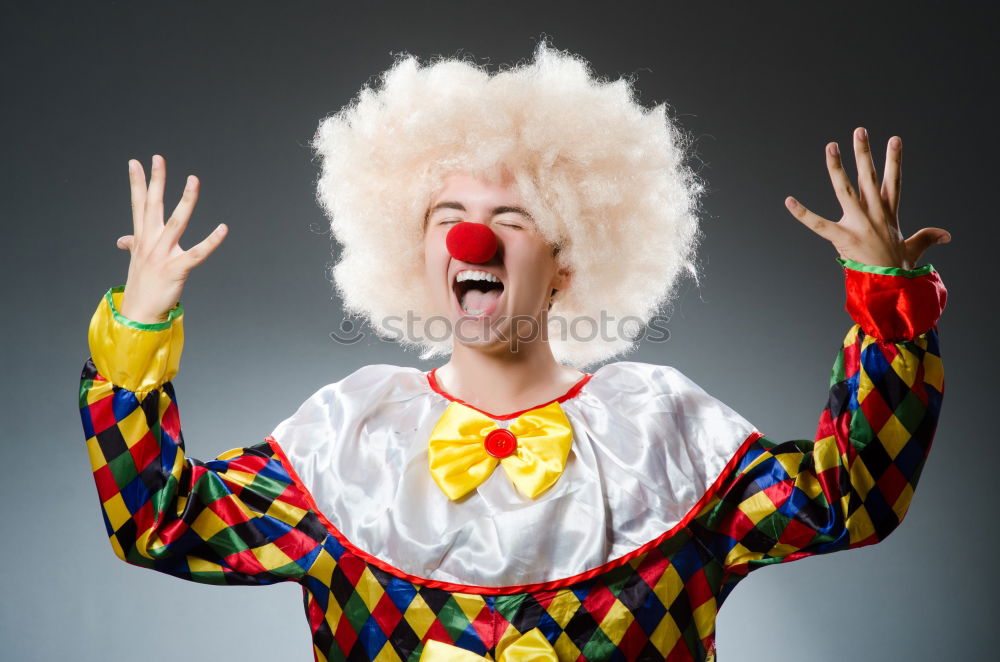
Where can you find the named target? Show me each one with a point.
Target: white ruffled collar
(648, 445)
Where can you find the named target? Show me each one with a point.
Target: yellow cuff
(138, 357)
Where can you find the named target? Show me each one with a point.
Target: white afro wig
(604, 177)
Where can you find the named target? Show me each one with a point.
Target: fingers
(867, 177)
(821, 226)
(200, 251)
(125, 243)
(153, 218)
(178, 221)
(838, 177)
(892, 180)
(137, 183)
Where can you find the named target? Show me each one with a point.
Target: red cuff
(894, 304)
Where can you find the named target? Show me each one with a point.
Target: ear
(562, 278)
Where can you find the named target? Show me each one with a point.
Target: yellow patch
(117, 511)
(419, 616)
(704, 618)
(616, 622)
(563, 607)
(893, 436)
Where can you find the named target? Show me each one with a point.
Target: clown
(509, 504)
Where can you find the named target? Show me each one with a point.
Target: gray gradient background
(233, 92)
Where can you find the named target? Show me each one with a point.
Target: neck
(501, 381)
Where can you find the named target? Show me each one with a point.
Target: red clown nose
(471, 242)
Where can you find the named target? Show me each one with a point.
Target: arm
(852, 485)
(236, 520)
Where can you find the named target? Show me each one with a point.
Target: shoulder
(371, 379)
(646, 379)
(359, 392)
(655, 389)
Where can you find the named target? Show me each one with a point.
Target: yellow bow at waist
(466, 446)
(532, 646)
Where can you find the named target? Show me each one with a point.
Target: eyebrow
(505, 209)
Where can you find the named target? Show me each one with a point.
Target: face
(524, 263)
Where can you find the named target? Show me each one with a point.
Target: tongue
(479, 300)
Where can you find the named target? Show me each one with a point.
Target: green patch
(356, 611)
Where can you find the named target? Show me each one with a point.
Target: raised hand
(159, 267)
(868, 232)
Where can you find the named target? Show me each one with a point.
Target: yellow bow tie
(466, 446)
(532, 645)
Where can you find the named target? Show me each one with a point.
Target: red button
(500, 443)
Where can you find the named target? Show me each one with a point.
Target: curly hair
(604, 177)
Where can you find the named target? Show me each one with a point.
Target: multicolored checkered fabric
(245, 519)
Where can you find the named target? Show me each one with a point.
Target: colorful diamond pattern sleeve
(235, 520)
(852, 485)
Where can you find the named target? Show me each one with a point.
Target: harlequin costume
(608, 524)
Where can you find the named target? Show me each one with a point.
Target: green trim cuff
(174, 313)
(886, 271)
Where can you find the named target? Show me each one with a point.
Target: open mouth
(477, 292)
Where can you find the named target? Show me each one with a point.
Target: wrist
(142, 316)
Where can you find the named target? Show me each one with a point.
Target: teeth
(476, 275)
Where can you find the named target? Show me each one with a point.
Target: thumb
(125, 243)
(923, 239)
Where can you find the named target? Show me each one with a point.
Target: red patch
(737, 525)
(146, 450)
(345, 636)
(653, 566)
(436, 632)
(599, 602)
(633, 641)
(679, 653)
(797, 534)
(698, 590)
(352, 567)
(295, 544)
(386, 614)
(144, 517)
(483, 625)
(228, 511)
(245, 562)
(779, 492)
(170, 422)
(105, 481)
(102, 414)
(315, 613)
(173, 532)
(293, 496)
(892, 483)
(875, 410)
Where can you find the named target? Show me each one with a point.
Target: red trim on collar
(571, 393)
(520, 588)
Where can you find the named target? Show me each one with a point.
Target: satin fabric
(887, 311)
(532, 646)
(459, 461)
(125, 351)
(647, 444)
